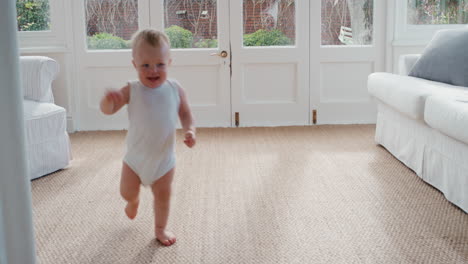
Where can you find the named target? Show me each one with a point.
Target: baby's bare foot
(165, 237)
(131, 209)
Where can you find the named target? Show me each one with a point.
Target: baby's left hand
(190, 138)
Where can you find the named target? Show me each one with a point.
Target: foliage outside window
(179, 37)
(188, 23)
(197, 17)
(206, 43)
(269, 22)
(33, 15)
(266, 38)
(433, 12)
(193, 23)
(107, 41)
(110, 24)
(347, 22)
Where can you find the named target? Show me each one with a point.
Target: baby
(153, 105)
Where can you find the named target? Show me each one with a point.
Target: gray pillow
(445, 59)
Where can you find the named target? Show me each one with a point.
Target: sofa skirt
(437, 158)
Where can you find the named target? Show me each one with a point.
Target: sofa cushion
(408, 94)
(406, 62)
(37, 74)
(449, 115)
(445, 59)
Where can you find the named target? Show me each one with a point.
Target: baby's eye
(145, 65)
(161, 65)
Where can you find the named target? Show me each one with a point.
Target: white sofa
(47, 141)
(424, 124)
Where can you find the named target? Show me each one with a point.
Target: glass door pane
(347, 22)
(110, 24)
(191, 24)
(269, 23)
(424, 12)
(33, 15)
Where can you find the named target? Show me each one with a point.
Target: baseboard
(347, 113)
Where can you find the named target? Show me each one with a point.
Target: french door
(270, 84)
(247, 63)
(347, 43)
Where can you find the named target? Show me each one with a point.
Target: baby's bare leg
(162, 196)
(130, 190)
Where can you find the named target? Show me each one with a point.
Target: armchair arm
(37, 74)
(407, 62)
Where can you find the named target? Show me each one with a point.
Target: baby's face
(151, 63)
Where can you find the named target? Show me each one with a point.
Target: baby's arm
(186, 119)
(113, 100)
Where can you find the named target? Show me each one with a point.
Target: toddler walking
(154, 103)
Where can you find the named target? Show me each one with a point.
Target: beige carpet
(324, 194)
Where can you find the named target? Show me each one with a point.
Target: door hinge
(314, 116)
(236, 118)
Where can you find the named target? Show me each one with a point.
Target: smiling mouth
(153, 79)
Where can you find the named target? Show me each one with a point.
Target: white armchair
(47, 141)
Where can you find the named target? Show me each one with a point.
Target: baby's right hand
(114, 96)
(110, 101)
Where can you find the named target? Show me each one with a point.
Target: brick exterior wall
(124, 22)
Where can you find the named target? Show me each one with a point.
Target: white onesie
(152, 115)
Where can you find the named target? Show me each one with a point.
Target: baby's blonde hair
(150, 36)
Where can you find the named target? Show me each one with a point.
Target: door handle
(222, 54)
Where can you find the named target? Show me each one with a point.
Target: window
(41, 24)
(191, 23)
(435, 12)
(346, 22)
(110, 24)
(33, 15)
(269, 23)
(416, 21)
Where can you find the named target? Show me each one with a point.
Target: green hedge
(32, 15)
(180, 37)
(207, 43)
(263, 37)
(106, 41)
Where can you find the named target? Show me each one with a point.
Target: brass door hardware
(222, 54)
